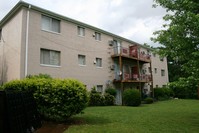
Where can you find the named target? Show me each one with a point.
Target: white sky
(133, 19)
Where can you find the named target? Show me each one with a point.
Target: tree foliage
(180, 38)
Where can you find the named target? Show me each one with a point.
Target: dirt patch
(53, 127)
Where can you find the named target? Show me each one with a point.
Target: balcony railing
(135, 77)
(131, 52)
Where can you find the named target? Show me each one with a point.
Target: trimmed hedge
(131, 97)
(56, 99)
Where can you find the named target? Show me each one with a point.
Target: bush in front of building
(131, 97)
(56, 99)
(111, 91)
(98, 99)
(148, 100)
(109, 100)
(163, 93)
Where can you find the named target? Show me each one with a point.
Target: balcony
(127, 77)
(132, 52)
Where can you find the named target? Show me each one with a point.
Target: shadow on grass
(90, 120)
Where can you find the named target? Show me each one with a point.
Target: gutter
(27, 40)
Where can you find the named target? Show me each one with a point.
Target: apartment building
(34, 40)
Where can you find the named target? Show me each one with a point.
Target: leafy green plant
(46, 76)
(148, 100)
(131, 97)
(56, 99)
(109, 99)
(163, 93)
(98, 99)
(185, 88)
(111, 91)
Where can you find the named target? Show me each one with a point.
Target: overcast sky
(133, 19)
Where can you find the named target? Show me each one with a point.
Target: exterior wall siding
(11, 48)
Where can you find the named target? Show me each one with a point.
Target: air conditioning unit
(110, 43)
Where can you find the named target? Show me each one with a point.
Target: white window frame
(81, 31)
(82, 57)
(51, 23)
(98, 36)
(51, 57)
(99, 62)
(99, 88)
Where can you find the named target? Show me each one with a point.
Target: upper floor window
(162, 72)
(154, 54)
(50, 57)
(81, 31)
(161, 59)
(99, 62)
(82, 59)
(97, 36)
(156, 70)
(50, 24)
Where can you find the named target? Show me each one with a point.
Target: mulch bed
(53, 127)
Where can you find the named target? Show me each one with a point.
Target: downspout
(27, 39)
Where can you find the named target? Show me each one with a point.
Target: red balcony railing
(132, 51)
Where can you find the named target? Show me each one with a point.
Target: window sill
(82, 65)
(45, 65)
(58, 33)
(99, 67)
(81, 36)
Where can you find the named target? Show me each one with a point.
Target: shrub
(109, 99)
(111, 91)
(56, 99)
(97, 99)
(131, 97)
(185, 88)
(163, 93)
(46, 76)
(148, 100)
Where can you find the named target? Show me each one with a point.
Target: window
(81, 31)
(156, 86)
(154, 55)
(156, 70)
(50, 57)
(82, 59)
(100, 88)
(99, 62)
(0, 34)
(50, 24)
(161, 59)
(97, 36)
(162, 72)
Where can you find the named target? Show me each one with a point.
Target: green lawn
(173, 116)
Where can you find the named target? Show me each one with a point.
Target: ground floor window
(50, 57)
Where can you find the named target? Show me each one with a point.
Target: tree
(180, 38)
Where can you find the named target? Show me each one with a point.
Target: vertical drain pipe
(27, 39)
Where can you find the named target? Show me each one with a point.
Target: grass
(173, 116)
